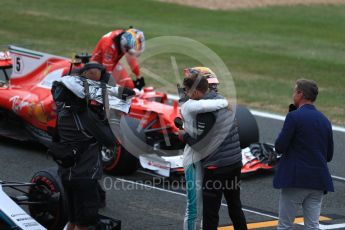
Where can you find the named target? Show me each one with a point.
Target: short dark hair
(196, 82)
(309, 89)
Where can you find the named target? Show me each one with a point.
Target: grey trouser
(291, 199)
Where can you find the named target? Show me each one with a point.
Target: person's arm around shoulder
(205, 105)
(205, 122)
(286, 135)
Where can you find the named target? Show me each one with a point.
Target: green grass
(265, 49)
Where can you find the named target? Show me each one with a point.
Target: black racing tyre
(119, 161)
(247, 126)
(123, 161)
(52, 212)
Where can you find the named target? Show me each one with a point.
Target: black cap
(104, 74)
(88, 66)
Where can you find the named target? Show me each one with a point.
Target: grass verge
(265, 49)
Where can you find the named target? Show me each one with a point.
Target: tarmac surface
(145, 201)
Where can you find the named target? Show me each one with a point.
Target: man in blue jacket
(306, 144)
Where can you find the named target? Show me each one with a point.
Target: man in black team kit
(81, 172)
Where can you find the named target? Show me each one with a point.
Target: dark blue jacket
(306, 142)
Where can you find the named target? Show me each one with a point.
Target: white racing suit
(191, 159)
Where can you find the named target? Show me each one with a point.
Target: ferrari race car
(45, 200)
(27, 113)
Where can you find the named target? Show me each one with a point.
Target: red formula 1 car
(27, 112)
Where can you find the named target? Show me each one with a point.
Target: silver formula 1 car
(44, 198)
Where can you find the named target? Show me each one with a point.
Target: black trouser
(82, 197)
(217, 182)
(102, 195)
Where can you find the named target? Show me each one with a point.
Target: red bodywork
(29, 101)
(26, 97)
(28, 94)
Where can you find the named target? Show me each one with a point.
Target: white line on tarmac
(332, 226)
(282, 118)
(183, 194)
(275, 117)
(338, 177)
(321, 226)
